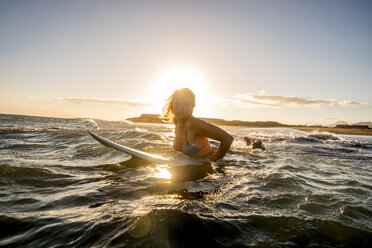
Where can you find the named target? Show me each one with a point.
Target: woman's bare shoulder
(204, 128)
(198, 123)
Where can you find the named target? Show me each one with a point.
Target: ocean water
(60, 188)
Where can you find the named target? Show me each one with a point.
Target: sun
(178, 77)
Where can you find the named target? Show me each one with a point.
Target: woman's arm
(204, 128)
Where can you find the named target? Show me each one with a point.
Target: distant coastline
(341, 129)
(356, 129)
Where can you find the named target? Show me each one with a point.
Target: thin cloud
(351, 103)
(82, 100)
(280, 101)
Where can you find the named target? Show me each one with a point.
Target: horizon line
(43, 116)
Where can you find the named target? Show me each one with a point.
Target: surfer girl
(191, 133)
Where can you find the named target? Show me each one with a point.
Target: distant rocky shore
(340, 129)
(154, 118)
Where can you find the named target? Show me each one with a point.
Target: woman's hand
(222, 148)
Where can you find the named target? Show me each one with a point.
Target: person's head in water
(180, 105)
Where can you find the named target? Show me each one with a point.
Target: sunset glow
(295, 62)
(178, 77)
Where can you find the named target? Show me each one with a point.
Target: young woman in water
(191, 133)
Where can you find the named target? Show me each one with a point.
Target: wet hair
(167, 114)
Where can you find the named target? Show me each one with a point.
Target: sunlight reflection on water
(162, 172)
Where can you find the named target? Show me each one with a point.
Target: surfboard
(144, 155)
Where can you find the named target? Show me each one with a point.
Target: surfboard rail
(144, 155)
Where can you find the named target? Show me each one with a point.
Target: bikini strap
(187, 141)
(186, 134)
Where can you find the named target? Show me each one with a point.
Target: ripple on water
(59, 187)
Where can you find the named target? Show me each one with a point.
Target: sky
(295, 62)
